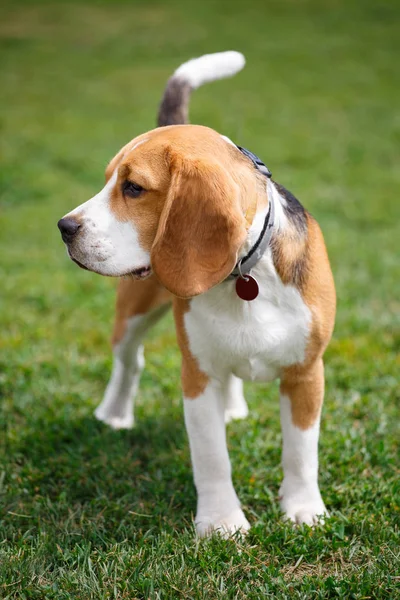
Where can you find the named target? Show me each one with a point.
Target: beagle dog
(190, 219)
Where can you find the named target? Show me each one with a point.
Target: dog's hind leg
(140, 304)
(235, 403)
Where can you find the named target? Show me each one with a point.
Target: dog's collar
(257, 162)
(247, 262)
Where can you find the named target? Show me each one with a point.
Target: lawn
(90, 513)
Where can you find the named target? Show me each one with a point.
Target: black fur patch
(294, 210)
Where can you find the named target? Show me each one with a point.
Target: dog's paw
(115, 422)
(307, 514)
(236, 413)
(234, 523)
(236, 410)
(303, 506)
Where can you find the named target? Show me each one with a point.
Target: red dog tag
(247, 288)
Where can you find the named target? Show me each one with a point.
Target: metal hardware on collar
(239, 268)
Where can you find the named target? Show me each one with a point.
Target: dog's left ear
(200, 230)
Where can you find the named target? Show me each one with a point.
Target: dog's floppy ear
(200, 231)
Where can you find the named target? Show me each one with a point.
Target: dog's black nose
(68, 228)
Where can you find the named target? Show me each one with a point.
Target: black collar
(257, 162)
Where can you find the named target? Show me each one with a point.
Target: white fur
(218, 508)
(300, 496)
(104, 244)
(136, 145)
(228, 140)
(210, 67)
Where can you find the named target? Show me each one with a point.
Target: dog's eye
(133, 190)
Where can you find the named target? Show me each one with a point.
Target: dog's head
(177, 201)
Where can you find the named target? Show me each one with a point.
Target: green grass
(91, 513)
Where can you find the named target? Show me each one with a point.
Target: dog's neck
(262, 217)
(289, 235)
(285, 234)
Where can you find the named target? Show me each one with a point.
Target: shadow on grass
(63, 470)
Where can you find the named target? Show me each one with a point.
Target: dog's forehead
(188, 140)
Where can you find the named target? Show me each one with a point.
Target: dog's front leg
(218, 508)
(302, 392)
(140, 304)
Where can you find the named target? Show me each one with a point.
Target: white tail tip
(210, 67)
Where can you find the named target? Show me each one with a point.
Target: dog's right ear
(201, 228)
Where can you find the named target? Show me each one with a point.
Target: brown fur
(200, 231)
(303, 383)
(194, 381)
(193, 217)
(305, 388)
(136, 298)
(199, 200)
(290, 256)
(319, 291)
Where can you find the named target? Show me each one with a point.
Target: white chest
(252, 340)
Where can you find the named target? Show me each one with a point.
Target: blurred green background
(91, 513)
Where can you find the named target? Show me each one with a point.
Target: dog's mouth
(78, 263)
(140, 273)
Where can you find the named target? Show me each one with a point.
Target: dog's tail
(174, 107)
